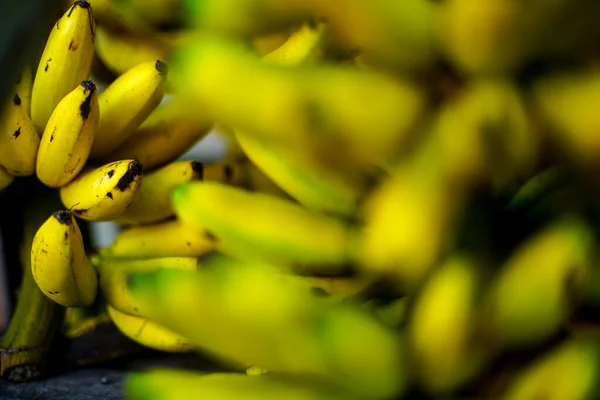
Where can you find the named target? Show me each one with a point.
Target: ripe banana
(126, 103)
(68, 137)
(65, 62)
(113, 279)
(165, 239)
(171, 385)
(530, 298)
(447, 303)
(569, 371)
(103, 193)
(59, 264)
(239, 219)
(163, 137)
(148, 333)
(19, 140)
(122, 51)
(5, 179)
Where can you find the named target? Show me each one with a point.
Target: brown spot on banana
(134, 169)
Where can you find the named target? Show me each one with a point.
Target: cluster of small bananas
(352, 255)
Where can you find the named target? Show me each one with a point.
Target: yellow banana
(120, 16)
(126, 103)
(148, 333)
(68, 137)
(5, 179)
(24, 87)
(569, 371)
(530, 298)
(153, 201)
(163, 137)
(113, 279)
(122, 51)
(165, 239)
(160, 12)
(168, 384)
(103, 193)
(65, 62)
(19, 140)
(59, 264)
(239, 219)
(446, 304)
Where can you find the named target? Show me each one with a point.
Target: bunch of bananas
(408, 206)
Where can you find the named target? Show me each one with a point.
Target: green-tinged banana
(533, 293)
(120, 16)
(126, 103)
(65, 62)
(152, 202)
(446, 304)
(5, 179)
(163, 137)
(215, 303)
(569, 371)
(68, 137)
(165, 384)
(239, 219)
(390, 313)
(303, 46)
(113, 279)
(24, 87)
(19, 140)
(59, 264)
(166, 239)
(254, 370)
(148, 333)
(122, 51)
(80, 321)
(103, 193)
(409, 222)
(160, 12)
(565, 102)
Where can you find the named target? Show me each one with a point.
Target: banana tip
(63, 217)
(162, 67)
(82, 4)
(134, 169)
(88, 85)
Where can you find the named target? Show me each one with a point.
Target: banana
(24, 87)
(120, 16)
(216, 303)
(168, 384)
(126, 103)
(569, 371)
(160, 12)
(165, 239)
(122, 51)
(447, 304)
(5, 179)
(239, 219)
(113, 279)
(65, 62)
(148, 333)
(153, 201)
(163, 137)
(19, 140)
(68, 137)
(103, 193)
(531, 297)
(59, 264)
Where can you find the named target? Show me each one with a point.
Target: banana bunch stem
(25, 347)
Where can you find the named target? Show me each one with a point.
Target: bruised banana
(103, 193)
(168, 384)
(239, 219)
(5, 178)
(126, 103)
(531, 296)
(163, 137)
(68, 137)
(19, 140)
(148, 333)
(153, 201)
(165, 239)
(59, 264)
(24, 87)
(113, 279)
(65, 63)
(122, 51)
